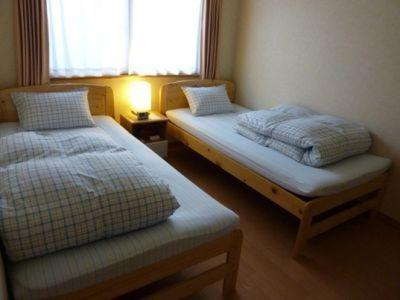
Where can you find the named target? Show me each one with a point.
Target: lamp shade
(141, 96)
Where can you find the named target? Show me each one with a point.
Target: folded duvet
(59, 190)
(308, 137)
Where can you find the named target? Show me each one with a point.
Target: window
(113, 37)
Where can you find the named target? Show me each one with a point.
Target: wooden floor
(358, 260)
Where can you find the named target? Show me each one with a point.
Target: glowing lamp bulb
(141, 96)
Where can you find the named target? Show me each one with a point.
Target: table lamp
(141, 99)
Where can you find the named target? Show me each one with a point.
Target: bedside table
(151, 132)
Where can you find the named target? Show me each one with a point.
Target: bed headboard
(172, 96)
(101, 99)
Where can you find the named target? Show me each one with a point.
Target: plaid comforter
(304, 135)
(59, 190)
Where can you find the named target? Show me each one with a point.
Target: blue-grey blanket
(60, 190)
(308, 137)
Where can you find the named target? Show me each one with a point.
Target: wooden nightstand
(147, 131)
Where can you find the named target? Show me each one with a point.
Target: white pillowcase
(55, 110)
(208, 100)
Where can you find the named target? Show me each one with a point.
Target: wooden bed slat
(186, 288)
(139, 278)
(342, 217)
(323, 204)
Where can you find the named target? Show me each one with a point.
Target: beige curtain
(32, 42)
(209, 38)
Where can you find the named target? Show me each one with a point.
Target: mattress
(217, 131)
(199, 219)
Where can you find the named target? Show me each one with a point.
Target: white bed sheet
(199, 219)
(217, 131)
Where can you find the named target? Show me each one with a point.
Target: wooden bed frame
(101, 102)
(316, 215)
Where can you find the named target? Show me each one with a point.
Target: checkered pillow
(41, 111)
(208, 100)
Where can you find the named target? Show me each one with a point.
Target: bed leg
(232, 259)
(303, 232)
(379, 198)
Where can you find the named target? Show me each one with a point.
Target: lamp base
(141, 115)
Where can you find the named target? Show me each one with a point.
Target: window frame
(122, 75)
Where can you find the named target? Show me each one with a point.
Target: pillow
(208, 100)
(55, 110)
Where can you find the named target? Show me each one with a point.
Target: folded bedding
(304, 135)
(60, 190)
(288, 149)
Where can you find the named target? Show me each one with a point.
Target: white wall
(227, 39)
(337, 56)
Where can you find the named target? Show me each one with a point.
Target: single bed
(218, 131)
(339, 191)
(200, 229)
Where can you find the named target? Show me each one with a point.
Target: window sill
(122, 76)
